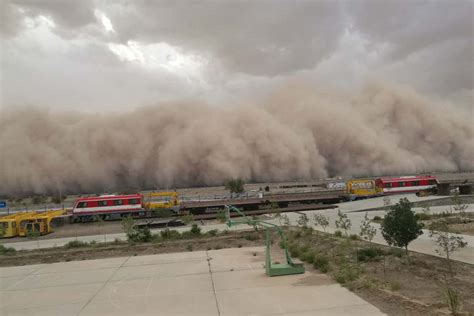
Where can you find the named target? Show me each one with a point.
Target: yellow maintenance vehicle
(42, 223)
(10, 224)
(362, 188)
(161, 200)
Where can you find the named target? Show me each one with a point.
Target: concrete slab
(35, 281)
(173, 284)
(80, 265)
(161, 270)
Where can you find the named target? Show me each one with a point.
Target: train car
(9, 224)
(161, 200)
(409, 184)
(41, 223)
(362, 188)
(107, 207)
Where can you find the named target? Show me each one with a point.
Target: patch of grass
(195, 230)
(189, 247)
(397, 252)
(321, 263)
(369, 254)
(422, 217)
(212, 232)
(354, 237)
(453, 299)
(308, 256)
(347, 273)
(76, 244)
(394, 285)
(294, 250)
(7, 251)
(170, 234)
(377, 218)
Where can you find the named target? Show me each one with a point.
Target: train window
(102, 203)
(388, 185)
(401, 184)
(416, 183)
(82, 205)
(118, 202)
(132, 201)
(432, 182)
(14, 224)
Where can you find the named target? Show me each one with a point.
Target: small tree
(321, 220)
(286, 220)
(446, 242)
(303, 221)
(33, 235)
(234, 186)
(100, 223)
(343, 222)
(399, 226)
(367, 231)
(188, 219)
(128, 225)
(458, 205)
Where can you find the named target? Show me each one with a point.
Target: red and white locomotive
(407, 184)
(107, 206)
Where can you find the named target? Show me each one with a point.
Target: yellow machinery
(362, 188)
(9, 225)
(39, 222)
(161, 200)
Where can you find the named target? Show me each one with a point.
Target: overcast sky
(115, 55)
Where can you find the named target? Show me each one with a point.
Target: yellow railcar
(9, 225)
(362, 188)
(40, 223)
(161, 200)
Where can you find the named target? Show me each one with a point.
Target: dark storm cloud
(264, 38)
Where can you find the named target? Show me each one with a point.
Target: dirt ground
(388, 281)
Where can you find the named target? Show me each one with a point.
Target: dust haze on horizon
(296, 134)
(101, 95)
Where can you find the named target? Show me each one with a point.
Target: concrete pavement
(216, 282)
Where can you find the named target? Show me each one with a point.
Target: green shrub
(369, 254)
(282, 244)
(170, 234)
(7, 251)
(189, 247)
(377, 218)
(338, 233)
(212, 232)
(354, 237)
(347, 273)
(453, 299)
(294, 251)
(321, 263)
(195, 230)
(308, 256)
(76, 244)
(422, 216)
(139, 235)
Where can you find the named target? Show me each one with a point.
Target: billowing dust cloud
(295, 134)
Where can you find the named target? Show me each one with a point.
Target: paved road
(216, 282)
(423, 244)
